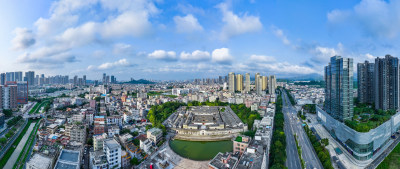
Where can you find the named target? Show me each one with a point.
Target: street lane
(308, 153)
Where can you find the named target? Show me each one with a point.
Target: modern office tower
(22, 92)
(30, 77)
(80, 81)
(365, 79)
(259, 85)
(18, 76)
(272, 84)
(10, 76)
(239, 82)
(264, 82)
(231, 82)
(75, 80)
(8, 94)
(2, 79)
(220, 80)
(247, 83)
(339, 88)
(386, 78)
(84, 80)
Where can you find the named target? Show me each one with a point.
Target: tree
(135, 161)
(136, 142)
(3, 140)
(90, 141)
(123, 131)
(7, 112)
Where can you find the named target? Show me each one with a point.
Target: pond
(200, 150)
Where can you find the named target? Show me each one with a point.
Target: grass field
(392, 161)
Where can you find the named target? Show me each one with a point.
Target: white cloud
(222, 56)
(370, 57)
(163, 55)
(109, 65)
(131, 23)
(262, 58)
(122, 49)
(322, 54)
(279, 33)
(23, 39)
(196, 55)
(78, 36)
(236, 25)
(377, 18)
(187, 24)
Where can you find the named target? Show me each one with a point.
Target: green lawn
(392, 161)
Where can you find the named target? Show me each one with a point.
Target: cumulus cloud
(23, 39)
(110, 65)
(262, 58)
(235, 25)
(322, 54)
(222, 56)
(123, 49)
(163, 55)
(196, 55)
(279, 33)
(376, 18)
(187, 24)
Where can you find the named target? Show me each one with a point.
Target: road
(309, 155)
(85, 157)
(381, 157)
(293, 160)
(11, 161)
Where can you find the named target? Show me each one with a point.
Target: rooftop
(68, 155)
(225, 161)
(112, 144)
(39, 161)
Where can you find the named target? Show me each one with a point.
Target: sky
(182, 39)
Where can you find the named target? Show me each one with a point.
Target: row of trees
(310, 108)
(13, 121)
(319, 147)
(291, 99)
(159, 113)
(277, 157)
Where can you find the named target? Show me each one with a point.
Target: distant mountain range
(140, 81)
(308, 77)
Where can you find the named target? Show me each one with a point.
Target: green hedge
(33, 134)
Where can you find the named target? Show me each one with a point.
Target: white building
(112, 149)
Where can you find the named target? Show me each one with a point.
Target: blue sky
(167, 40)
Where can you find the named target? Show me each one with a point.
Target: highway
(293, 160)
(308, 153)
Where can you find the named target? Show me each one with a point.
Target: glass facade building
(339, 88)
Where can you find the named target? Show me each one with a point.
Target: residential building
(247, 83)
(272, 84)
(240, 144)
(154, 135)
(239, 82)
(386, 77)
(30, 78)
(98, 141)
(264, 82)
(112, 149)
(98, 160)
(339, 88)
(2, 78)
(365, 79)
(22, 92)
(223, 161)
(232, 86)
(259, 85)
(8, 94)
(2, 120)
(76, 132)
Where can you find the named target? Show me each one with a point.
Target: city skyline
(186, 40)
